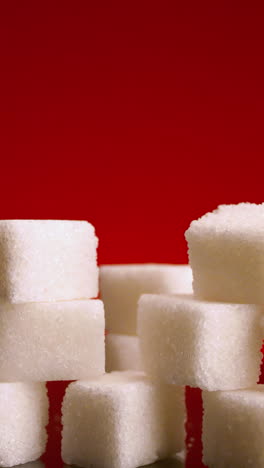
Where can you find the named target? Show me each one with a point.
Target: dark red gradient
(194, 408)
(137, 116)
(56, 392)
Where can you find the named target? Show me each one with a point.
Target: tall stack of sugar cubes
(50, 328)
(167, 326)
(125, 419)
(212, 338)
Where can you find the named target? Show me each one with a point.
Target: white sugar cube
(233, 429)
(214, 346)
(122, 285)
(51, 340)
(23, 418)
(226, 253)
(121, 420)
(122, 353)
(47, 260)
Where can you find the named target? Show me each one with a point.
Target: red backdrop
(137, 116)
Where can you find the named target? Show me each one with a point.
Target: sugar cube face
(122, 285)
(226, 253)
(122, 353)
(134, 421)
(51, 340)
(47, 260)
(213, 346)
(23, 417)
(233, 429)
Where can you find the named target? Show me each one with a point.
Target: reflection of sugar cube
(122, 353)
(226, 253)
(214, 346)
(34, 464)
(47, 260)
(122, 285)
(23, 416)
(233, 429)
(121, 420)
(51, 340)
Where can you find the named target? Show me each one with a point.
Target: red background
(137, 116)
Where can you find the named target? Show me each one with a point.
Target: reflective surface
(41, 464)
(34, 464)
(167, 464)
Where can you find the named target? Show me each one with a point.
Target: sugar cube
(122, 285)
(47, 260)
(214, 346)
(226, 253)
(122, 352)
(51, 340)
(233, 429)
(121, 420)
(23, 416)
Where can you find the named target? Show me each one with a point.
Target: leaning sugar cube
(122, 352)
(233, 429)
(121, 420)
(226, 253)
(214, 346)
(51, 340)
(47, 260)
(122, 285)
(23, 418)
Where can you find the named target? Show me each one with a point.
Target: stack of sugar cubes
(135, 420)
(50, 327)
(121, 287)
(212, 339)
